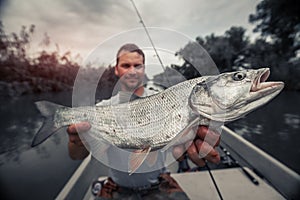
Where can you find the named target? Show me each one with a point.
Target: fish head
(230, 96)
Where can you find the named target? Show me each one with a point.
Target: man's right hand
(77, 150)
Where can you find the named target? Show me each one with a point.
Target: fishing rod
(150, 39)
(161, 63)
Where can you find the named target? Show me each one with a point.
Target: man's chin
(132, 86)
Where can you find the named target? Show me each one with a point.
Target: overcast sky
(79, 26)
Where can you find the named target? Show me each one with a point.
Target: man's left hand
(201, 148)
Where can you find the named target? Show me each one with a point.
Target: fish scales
(138, 123)
(156, 120)
(145, 122)
(161, 121)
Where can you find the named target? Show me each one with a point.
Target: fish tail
(48, 128)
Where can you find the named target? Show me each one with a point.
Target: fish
(162, 120)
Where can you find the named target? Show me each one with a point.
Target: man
(130, 69)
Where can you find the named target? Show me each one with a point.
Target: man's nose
(132, 70)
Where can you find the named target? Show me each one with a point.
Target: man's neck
(139, 91)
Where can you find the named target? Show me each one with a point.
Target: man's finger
(207, 152)
(208, 135)
(194, 156)
(78, 127)
(75, 139)
(178, 151)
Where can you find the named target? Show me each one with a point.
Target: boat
(245, 172)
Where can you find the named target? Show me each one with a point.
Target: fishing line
(149, 37)
(161, 63)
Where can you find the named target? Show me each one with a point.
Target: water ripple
(292, 120)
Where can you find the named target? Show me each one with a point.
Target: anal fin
(152, 158)
(137, 158)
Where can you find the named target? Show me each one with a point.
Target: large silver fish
(156, 121)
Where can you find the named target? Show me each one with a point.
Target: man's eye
(125, 66)
(138, 66)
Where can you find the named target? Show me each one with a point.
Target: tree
(279, 19)
(222, 51)
(23, 74)
(237, 39)
(13, 47)
(195, 60)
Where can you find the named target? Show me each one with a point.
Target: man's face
(131, 70)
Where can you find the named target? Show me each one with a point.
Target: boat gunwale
(286, 181)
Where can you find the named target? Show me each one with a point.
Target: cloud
(80, 25)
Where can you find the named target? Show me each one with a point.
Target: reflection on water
(20, 120)
(292, 120)
(275, 128)
(25, 172)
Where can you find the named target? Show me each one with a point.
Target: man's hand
(77, 150)
(204, 144)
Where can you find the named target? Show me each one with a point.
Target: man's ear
(116, 71)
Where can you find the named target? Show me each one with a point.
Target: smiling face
(131, 70)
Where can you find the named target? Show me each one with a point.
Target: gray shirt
(123, 178)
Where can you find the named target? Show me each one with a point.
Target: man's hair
(130, 48)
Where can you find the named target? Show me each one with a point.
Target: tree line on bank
(277, 47)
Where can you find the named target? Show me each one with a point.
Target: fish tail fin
(48, 128)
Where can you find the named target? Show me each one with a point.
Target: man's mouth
(131, 79)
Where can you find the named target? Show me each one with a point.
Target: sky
(84, 26)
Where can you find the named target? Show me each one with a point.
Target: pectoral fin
(137, 158)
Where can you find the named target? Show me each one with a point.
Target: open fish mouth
(260, 85)
(261, 91)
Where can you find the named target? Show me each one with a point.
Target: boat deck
(232, 184)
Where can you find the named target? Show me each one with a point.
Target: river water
(275, 128)
(41, 172)
(25, 172)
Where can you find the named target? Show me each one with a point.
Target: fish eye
(238, 76)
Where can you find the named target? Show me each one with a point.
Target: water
(25, 172)
(275, 128)
(41, 172)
